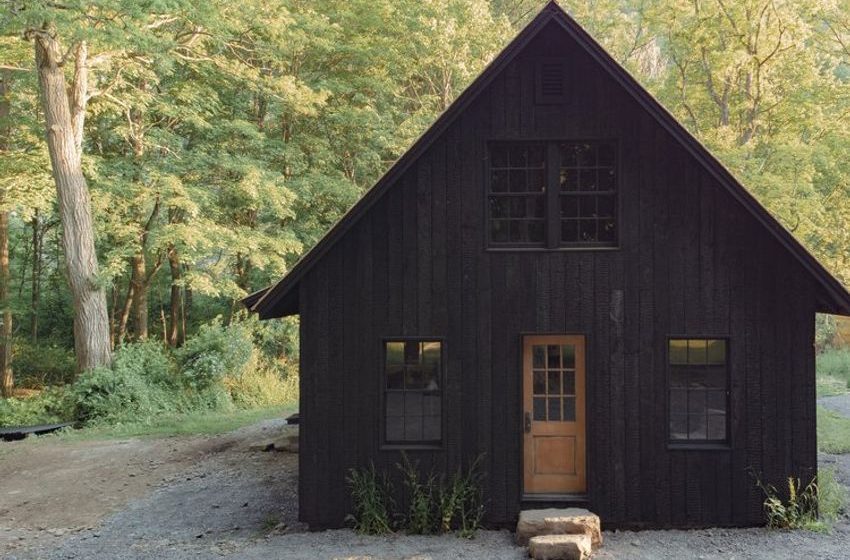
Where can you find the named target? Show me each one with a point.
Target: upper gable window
(552, 195)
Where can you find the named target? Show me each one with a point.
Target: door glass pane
(539, 356)
(540, 409)
(554, 383)
(568, 352)
(554, 357)
(569, 383)
(539, 382)
(569, 409)
(554, 409)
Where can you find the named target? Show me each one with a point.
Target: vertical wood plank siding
(691, 261)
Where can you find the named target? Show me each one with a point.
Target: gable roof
(282, 298)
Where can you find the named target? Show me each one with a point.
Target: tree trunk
(64, 131)
(6, 378)
(138, 278)
(173, 336)
(35, 299)
(125, 315)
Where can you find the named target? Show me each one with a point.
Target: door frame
(580, 497)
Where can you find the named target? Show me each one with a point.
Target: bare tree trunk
(172, 337)
(125, 315)
(64, 137)
(140, 295)
(7, 381)
(35, 299)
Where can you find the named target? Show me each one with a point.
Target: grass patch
(832, 498)
(192, 423)
(833, 372)
(833, 432)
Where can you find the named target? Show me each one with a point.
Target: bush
(264, 385)
(48, 407)
(38, 366)
(214, 352)
(140, 384)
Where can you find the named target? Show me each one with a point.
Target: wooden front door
(554, 414)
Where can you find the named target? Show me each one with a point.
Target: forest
(161, 159)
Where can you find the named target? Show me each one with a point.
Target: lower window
(698, 390)
(413, 392)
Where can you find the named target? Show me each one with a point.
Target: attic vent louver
(550, 82)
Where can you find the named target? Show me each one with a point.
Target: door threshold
(554, 498)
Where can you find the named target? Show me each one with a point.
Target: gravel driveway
(239, 503)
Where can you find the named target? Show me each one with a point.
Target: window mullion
(553, 222)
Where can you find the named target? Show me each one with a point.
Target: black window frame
(552, 237)
(387, 444)
(696, 443)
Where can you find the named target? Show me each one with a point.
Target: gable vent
(550, 82)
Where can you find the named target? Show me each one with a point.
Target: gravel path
(240, 503)
(839, 404)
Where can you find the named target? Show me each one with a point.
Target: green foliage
(814, 507)
(48, 407)
(42, 365)
(215, 352)
(461, 501)
(104, 394)
(263, 385)
(371, 495)
(833, 431)
(832, 497)
(422, 516)
(796, 509)
(833, 371)
(436, 504)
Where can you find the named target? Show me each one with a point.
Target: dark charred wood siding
(691, 261)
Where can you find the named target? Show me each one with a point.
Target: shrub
(263, 385)
(38, 366)
(214, 352)
(140, 384)
(372, 502)
(47, 407)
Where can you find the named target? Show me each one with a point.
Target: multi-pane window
(588, 193)
(698, 385)
(412, 392)
(552, 194)
(517, 197)
(554, 382)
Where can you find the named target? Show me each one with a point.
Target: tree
(64, 112)
(6, 378)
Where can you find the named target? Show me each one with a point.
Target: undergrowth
(436, 504)
(815, 506)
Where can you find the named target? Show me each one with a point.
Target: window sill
(411, 447)
(691, 446)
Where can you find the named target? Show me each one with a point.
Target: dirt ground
(220, 497)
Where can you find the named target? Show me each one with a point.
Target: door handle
(527, 422)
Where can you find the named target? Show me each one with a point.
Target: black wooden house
(559, 276)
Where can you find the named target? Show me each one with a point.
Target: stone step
(553, 521)
(560, 547)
